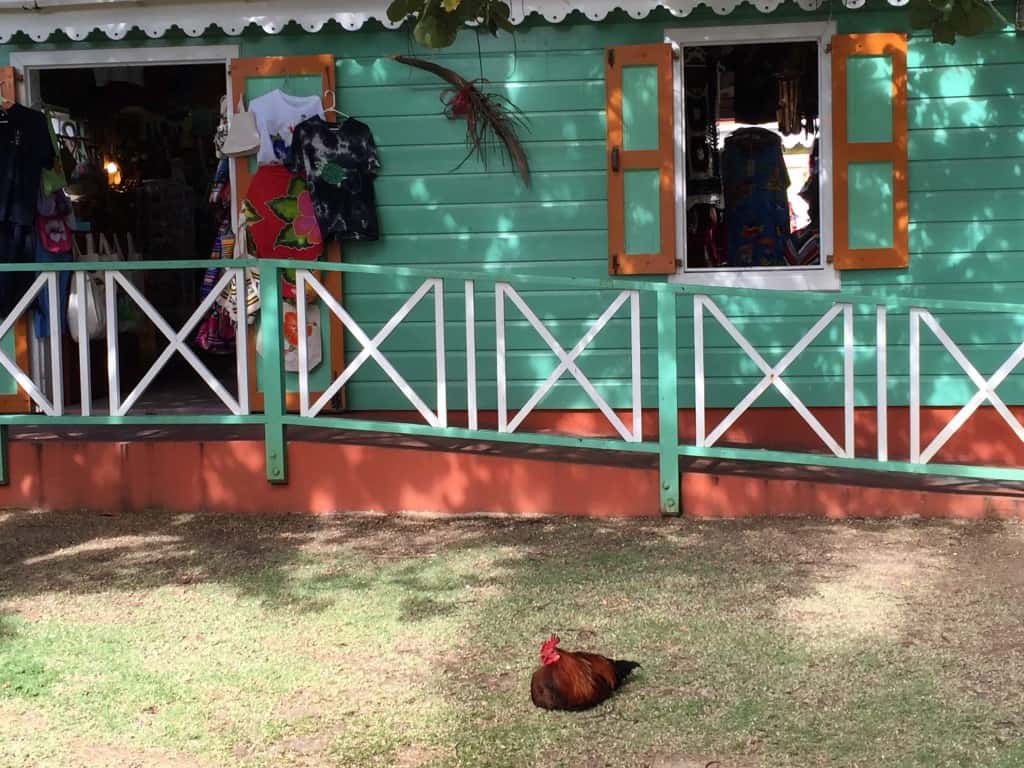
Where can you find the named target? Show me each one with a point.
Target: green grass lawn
(158, 640)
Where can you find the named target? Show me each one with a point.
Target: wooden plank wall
(966, 116)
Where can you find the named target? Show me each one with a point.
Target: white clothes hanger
(333, 108)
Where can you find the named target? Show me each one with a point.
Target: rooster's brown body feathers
(578, 680)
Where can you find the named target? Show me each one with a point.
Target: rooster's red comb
(550, 643)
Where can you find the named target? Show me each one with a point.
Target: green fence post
(271, 362)
(5, 470)
(668, 405)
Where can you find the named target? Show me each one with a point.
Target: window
(753, 163)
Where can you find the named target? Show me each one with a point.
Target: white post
(303, 342)
(84, 372)
(848, 388)
(634, 322)
(241, 337)
(915, 385)
(471, 355)
(56, 361)
(882, 397)
(499, 344)
(113, 369)
(442, 382)
(698, 370)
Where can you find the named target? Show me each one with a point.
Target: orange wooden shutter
(869, 148)
(18, 401)
(640, 160)
(7, 84)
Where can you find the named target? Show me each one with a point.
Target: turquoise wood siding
(966, 145)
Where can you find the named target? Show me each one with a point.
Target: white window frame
(820, 277)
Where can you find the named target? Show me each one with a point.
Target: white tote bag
(243, 137)
(92, 302)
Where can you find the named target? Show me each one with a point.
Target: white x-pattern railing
(567, 361)
(371, 348)
(509, 421)
(50, 406)
(772, 375)
(986, 388)
(176, 343)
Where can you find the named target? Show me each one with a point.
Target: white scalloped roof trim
(116, 18)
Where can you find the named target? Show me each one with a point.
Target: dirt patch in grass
(82, 754)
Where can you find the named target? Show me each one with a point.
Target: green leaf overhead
(438, 21)
(948, 19)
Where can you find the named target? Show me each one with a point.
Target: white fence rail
(176, 343)
(509, 419)
(773, 375)
(567, 361)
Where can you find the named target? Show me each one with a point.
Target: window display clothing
(339, 162)
(756, 202)
(276, 115)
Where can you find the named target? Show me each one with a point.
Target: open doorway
(145, 182)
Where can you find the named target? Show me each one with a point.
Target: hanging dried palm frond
(490, 117)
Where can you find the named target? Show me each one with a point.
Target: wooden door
(298, 76)
(13, 399)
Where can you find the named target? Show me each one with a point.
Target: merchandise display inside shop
(134, 163)
(752, 161)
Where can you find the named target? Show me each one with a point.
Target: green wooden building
(873, 295)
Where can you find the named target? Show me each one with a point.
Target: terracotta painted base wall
(228, 477)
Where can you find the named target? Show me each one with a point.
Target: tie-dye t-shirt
(339, 161)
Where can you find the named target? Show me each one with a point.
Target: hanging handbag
(92, 302)
(228, 298)
(243, 137)
(222, 129)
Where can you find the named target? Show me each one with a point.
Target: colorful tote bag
(280, 217)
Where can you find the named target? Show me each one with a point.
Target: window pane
(869, 99)
(642, 211)
(640, 107)
(870, 205)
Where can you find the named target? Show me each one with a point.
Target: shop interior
(137, 146)
(752, 184)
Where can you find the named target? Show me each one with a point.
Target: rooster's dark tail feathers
(623, 670)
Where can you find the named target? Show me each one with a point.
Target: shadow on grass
(787, 642)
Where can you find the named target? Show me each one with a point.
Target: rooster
(575, 681)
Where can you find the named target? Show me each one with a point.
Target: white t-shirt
(277, 114)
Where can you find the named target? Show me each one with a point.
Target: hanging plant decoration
(438, 21)
(490, 117)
